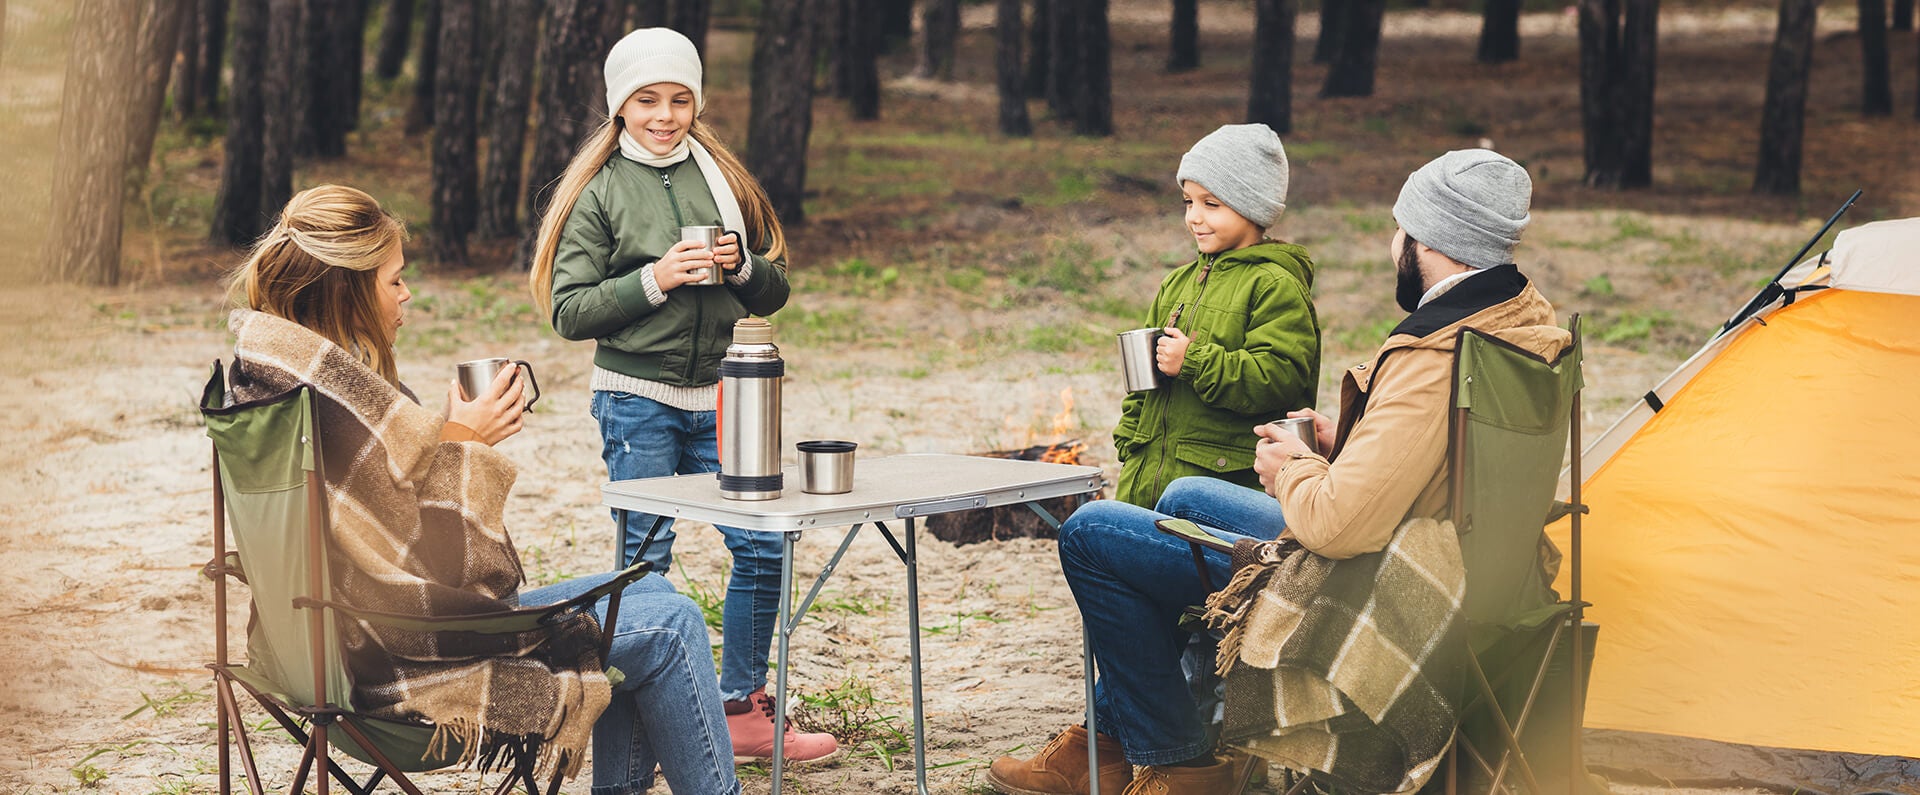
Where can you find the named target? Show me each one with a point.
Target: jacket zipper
(1166, 405)
(693, 353)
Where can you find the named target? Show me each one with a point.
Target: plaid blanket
(417, 529)
(1351, 668)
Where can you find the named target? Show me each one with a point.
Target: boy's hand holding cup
(1171, 351)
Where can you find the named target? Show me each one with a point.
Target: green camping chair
(268, 489)
(1513, 417)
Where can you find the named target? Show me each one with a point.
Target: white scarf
(730, 216)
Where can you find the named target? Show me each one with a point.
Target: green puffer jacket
(628, 216)
(1254, 356)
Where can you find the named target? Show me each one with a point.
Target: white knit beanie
(652, 55)
(1244, 166)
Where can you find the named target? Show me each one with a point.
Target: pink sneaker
(750, 721)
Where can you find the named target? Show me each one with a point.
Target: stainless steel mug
(749, 421)
(1137, 367)
(1302, 429)
(708, 237)
(476, 375)
(826, 466)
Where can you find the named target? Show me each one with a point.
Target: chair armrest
(1192, 534)
(499, 622)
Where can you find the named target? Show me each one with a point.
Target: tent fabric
(1751, 550)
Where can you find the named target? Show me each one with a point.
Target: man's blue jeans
(642, 438)
(1131, 582)
(668, 709)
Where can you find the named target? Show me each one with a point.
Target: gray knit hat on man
(1244, 166)
(1469, 204)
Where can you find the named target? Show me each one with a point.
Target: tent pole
(1773, 289)
(1577, 766)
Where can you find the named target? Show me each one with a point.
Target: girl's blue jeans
(643, 438)
(668, 709)
(1131, 582)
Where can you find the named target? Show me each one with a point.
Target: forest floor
(956, 291)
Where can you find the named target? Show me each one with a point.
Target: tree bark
(425, 70)
(1093, 104)
(186, 78)
(569, 100)
(456, 180)
(90, 178)
(940, 26)
(1902, 15)
(1351, 72)
(159, 40)
(1183, 39)
(1270, 88)
(332, 30)
(1617, 67)
(691, 17)
(1007, 67)
(897, 22)
(1039, 34)
(212, 53)
(1333, 23)
(1063, 56)
(280, 103)
(1876, 76)
(500, 190)
(237, 216)
(861, 39)
(1783, 118)
(1500, 32)
(396, 31)
(781, 118)
(1639, 49)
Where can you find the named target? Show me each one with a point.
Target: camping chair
(268, 488)
(1514, 415)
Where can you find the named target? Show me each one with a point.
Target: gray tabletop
(890, 487)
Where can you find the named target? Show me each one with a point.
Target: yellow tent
(1753, 552)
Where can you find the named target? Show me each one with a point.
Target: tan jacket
(1389, 462)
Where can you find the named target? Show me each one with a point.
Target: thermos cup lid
(753, 331)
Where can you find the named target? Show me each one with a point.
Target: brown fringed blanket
(1351, 668)
(417, 529)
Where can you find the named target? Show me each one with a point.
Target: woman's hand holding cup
(495, 414)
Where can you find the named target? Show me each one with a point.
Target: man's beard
(1408, 287)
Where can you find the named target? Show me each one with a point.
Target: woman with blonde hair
(611, 267)
(415, 501)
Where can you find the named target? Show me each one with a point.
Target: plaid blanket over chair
(1353, 669)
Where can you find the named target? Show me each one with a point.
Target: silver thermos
(749, 422)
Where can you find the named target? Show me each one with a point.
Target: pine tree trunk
(897, 22)
(186, 78)
(1500, 32)
(940, 24)
(1640, 37)
(1063, 56)
(153, 62)
(1876, 77)
(1270, 89)
(564, 102)
(1903, 17)
(356, 75)
(237, 215)
(1183, 40)
(500, 190)
(280, 103)
(396, 32)
(1039, 34)
(781, 116)
(1617, 65)
(1008, 69)
(212, 19)
(1351, 72)
(456, 198)
(861, 39)
(90, 178)
(332, 68)
(691, 17)
(650, 14)
(829, 26)
(426, 70)
(1093, 104)
(1599, 50)
(1334, 16)
(1783, 118)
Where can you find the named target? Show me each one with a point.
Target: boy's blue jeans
(642, 438)
(1131, 582)
(668, 710)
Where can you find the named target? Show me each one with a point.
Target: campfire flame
(1058, 452)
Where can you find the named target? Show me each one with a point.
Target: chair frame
(232, 730)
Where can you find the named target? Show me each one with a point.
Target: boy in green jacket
(1242, 342)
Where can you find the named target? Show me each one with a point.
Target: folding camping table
(894, 487)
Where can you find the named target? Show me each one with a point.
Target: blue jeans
(642, 438)
(1131, 582)
(668, 710)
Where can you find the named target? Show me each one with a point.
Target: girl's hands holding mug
(1172, 351)
(726, 253)
(495, 415)
(684, 264)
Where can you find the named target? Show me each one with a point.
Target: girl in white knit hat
(612, 267)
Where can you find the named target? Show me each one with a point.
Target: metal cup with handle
(475, 376)
(1138, 368)
(709, 238)
(1302, 429)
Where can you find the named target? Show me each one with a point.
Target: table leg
(620, 539)
(913, 654)
(780, 673)
(1093, 718)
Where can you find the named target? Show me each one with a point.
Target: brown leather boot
(1223, 777)
(1061, 768)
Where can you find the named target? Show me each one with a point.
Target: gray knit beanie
(1469, 204)
(1244, 166)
